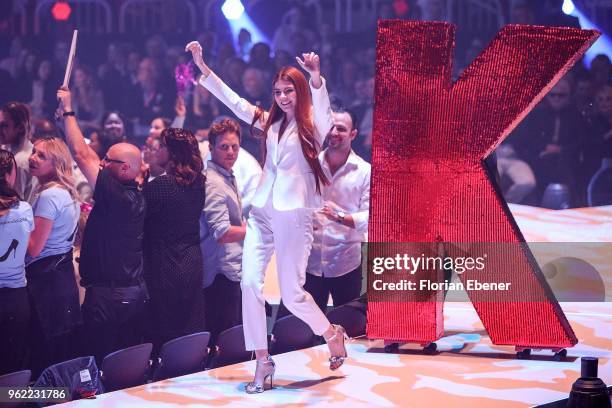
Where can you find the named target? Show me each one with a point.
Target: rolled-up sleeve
(322, 114)
(216, 213)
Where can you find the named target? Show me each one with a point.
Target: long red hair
(303, 118)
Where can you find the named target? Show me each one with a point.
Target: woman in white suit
(287, 195)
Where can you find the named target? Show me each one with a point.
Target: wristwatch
(69, 113)
(340, 216)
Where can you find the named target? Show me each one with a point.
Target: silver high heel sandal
(265, 368)
(337, 347)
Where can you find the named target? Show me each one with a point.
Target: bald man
(111, 253)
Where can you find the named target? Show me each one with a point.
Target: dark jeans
(342, 289)
(223, 306)
(14, 324)
(114, 318)
(55, 313)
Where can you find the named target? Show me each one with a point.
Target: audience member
(260, 59)
(601, 70)
(41, 96)
(52, 288)
(246, 170)
(585, 96)
(113, 132)
(222, 230)
(88, 98)
(15, 131)
(16, 224)
(43, 129)
(516, 177)
(334, 264)
(599, 146)
(205, 108)
(172, 255)
(551, 140)
(111, 265)
(151, 97)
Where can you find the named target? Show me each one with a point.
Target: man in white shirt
(334, 265)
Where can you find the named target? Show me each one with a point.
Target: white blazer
(286, 173)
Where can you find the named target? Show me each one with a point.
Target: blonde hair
(60, 156)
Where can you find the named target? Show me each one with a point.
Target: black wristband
(69, 113)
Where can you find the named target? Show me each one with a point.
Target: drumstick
(70, 58)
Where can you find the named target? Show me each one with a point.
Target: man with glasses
(111, 265)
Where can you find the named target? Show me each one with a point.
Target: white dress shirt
(336, 249)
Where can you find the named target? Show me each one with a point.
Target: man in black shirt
(111, 253)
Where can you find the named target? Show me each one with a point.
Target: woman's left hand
(310, 63)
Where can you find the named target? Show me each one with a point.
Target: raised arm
(321, 109)
(87, 160)
(240, 106)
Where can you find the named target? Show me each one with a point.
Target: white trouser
(289, 234)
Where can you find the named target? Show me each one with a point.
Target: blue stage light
(232, 9)
(568, 7)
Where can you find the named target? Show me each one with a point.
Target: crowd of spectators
(135, 93)
(133, 89)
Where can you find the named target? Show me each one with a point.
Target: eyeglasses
(108, 160)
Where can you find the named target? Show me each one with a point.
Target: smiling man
(334, 265)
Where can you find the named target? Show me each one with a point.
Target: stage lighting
(232, 9)
(568, 7)
(61, 11)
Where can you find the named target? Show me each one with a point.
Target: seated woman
(16, 223)
(52, 287)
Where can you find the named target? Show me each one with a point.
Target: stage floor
(468, 371)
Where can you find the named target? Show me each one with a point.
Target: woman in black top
(172, 255)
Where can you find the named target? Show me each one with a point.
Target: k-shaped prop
(430, 184)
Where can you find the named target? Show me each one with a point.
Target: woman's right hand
(65, 99)
(196, 52)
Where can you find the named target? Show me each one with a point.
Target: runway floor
(468, 371)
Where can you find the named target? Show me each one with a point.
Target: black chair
(599, 190)
(556, 196)
(14, 380)
(349, 316)
(290, 333)
(127, 367)
(230, 348)
(182, 356)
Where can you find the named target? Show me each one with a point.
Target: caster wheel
(430, 349)
(560, 355)
(524, 354)
(392, 348)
